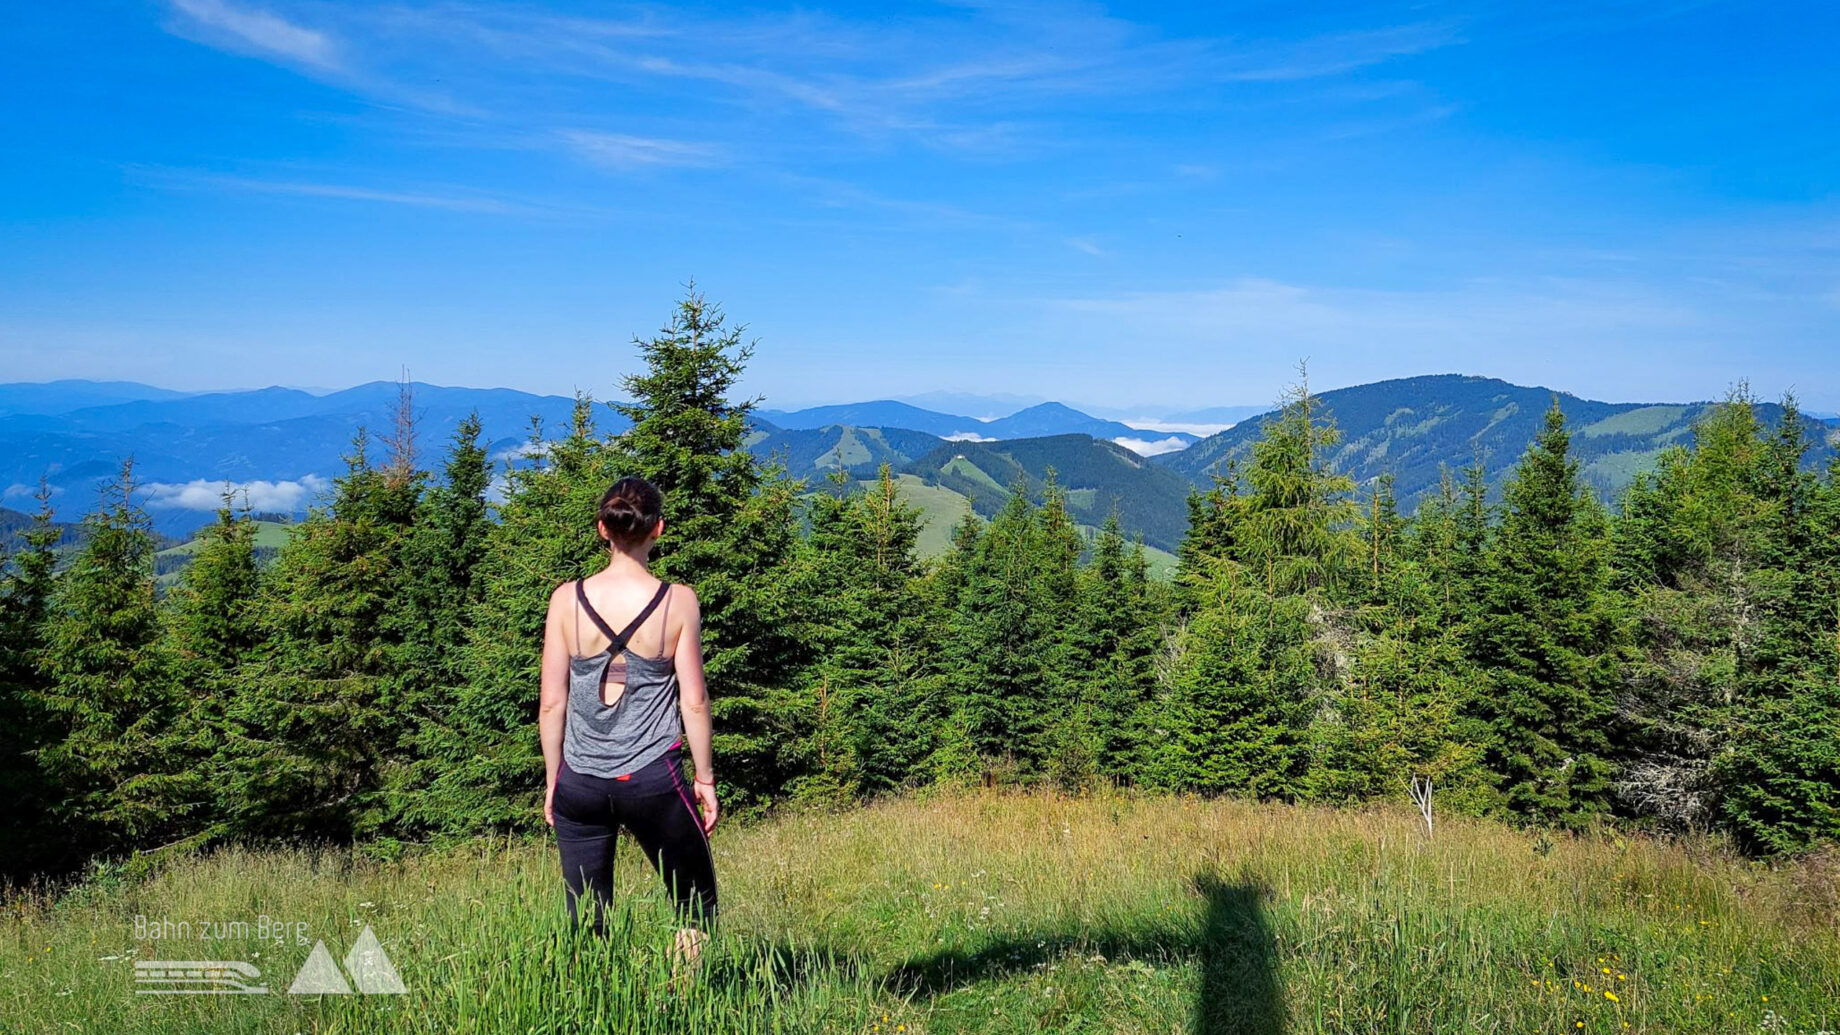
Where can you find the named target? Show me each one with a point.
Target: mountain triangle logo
(369, 966)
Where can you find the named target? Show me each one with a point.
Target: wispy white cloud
(1085, 244)
(522, 451)
(968, 436)
(457, 203)
(257, 30)
(1486, 309)
(448, 198)
(22, 491)
(623, 151)
(970, 79)
(826, 193)
(1335, 54)
(204, 494)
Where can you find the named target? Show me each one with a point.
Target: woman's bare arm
(552, 706)
(693, 701)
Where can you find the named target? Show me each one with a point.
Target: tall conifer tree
(484, 748)
(213, 633)
(28, 584)
(729, 531)
(109, 688)
(1548, 636)
(320, 719)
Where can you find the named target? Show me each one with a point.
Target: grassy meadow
(993, 912)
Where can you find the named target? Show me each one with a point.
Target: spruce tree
(860, 576)
(1216, 531)
(28, 584)
(1000, 644)
(729, 530)
(1074, 740)
(1298, 514)
(213, 631)
(487, 762)
(1256, 661)
(1122, 620)
(1689, 553)
(441, 563)
(320, 719)
(1780, 778)
(1242, 693)
(1394, 714)
(1547, 635)
(109, 688)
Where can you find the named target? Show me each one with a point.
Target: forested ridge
(1671, 662)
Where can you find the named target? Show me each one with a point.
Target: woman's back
(623, 693)
(617, 599)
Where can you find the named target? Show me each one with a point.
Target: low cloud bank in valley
(1148, 447)
(205, 494)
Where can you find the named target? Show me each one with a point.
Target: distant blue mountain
(292, 442)
(882, 413)
(50, 397)
(1057, 419)
(1216, 414)
(1045, 419)
(274, 435)
(972, 404)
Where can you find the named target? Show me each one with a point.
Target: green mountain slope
(1413, 427)
(1097, 475)
(815, 452)
(169, 564)
(941, 509)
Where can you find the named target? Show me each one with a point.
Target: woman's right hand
(706, 804)
(549, 803)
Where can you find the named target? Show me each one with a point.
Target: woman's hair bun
(630, 510)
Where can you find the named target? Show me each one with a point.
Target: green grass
(1162, 563)
(963, 467)
(999, 913)
(848, 452)
(940, 509)
(268, 533)
(1648, 420)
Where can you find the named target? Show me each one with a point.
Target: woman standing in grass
(617, 709)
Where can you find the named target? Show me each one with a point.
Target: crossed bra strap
(618, 643)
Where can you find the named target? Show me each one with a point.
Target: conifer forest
(1667, 660)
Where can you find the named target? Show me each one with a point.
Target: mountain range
(1414, 428)
(286, 444)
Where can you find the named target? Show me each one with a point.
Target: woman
(623, 693)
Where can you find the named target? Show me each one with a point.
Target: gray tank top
(642, 723)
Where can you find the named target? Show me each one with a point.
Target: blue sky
(1121, 205)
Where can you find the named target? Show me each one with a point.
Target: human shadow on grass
(1239, 993)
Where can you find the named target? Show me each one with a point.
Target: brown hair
(630, 510)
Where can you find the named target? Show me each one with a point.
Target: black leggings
(654, 805)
